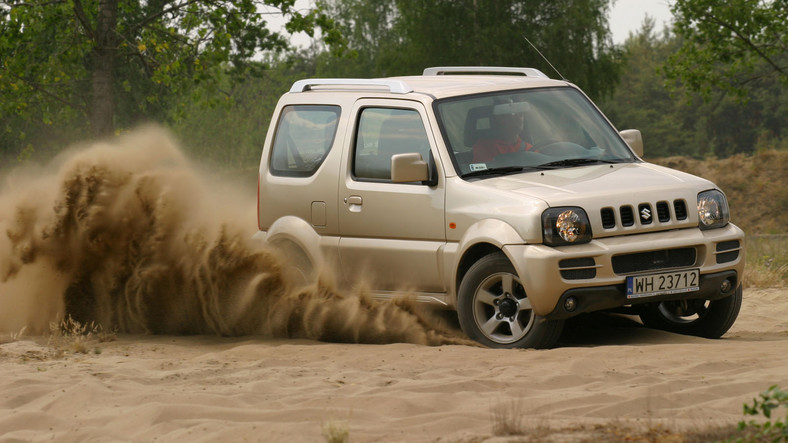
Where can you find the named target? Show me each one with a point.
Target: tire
(494, 310)
(300, 270)
(702, 318)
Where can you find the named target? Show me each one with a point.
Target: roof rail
(394, 86)
(442, 70)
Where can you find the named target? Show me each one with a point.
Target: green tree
(395, 37)
(678, 121)
(643, 101)
(111, 63)
(729, 45)
(232, 137)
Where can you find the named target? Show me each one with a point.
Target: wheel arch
(482, 238)
(291, 231)
(471, 256)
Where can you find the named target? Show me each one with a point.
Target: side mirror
(409, 167)
(634, 139)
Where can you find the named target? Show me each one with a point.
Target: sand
(206, 388)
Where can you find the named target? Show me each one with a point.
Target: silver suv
(500, 193)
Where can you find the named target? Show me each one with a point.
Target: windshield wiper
(504, 170)
(569, 162)
(565, 163)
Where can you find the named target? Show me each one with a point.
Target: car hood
(606, 184)
(619, 199)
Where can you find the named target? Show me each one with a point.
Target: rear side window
(304, 137)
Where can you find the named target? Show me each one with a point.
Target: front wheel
(494, 310)
(702, 318)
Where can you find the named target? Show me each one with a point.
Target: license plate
(675, 282)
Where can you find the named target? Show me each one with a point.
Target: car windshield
(515, 131)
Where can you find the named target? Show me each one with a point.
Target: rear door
(390, 233)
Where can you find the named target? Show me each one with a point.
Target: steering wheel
(557, 147)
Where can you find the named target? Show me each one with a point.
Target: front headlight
(712, 209)
(565, 226)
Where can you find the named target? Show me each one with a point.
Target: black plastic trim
(601, 298)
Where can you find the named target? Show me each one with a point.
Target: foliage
(770, 430)
(215, 74)
(677, 121)
(396, 37)
(67, 63)
(729, 45)
(231, 137)
(642, 101)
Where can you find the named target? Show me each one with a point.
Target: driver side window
(382, 133)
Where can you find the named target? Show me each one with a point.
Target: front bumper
(608, 297)
(540, 268)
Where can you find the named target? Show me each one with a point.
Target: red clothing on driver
(486, 150)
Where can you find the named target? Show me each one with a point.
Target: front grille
(663, 212)
(645, 215)
(680, 207)
(653, 260)
(627, 218)
(577, 268)
(608, 218)
(727, 251)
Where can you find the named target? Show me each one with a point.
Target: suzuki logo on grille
(645, 214)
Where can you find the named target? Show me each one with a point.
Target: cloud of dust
(130, 234)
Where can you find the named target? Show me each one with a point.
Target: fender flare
(294, 230)
(492, 232)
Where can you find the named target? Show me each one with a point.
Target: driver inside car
(507, 124)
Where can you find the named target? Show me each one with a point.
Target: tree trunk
(102, 109)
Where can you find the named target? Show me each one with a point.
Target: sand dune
(206, 388)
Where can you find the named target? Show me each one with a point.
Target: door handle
(354, 203)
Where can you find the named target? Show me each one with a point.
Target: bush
(765, 404)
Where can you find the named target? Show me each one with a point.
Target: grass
(507, 428)
(13, 336)
(336, 432)
(769, 407)
(72, 336)
(67, 337)
(767, 261)
(619, 433)
(507, 418)
(614, 431)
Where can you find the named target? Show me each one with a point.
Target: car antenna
(545, 58)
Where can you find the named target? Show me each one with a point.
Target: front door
(390, 233)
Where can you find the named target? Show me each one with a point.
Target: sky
(625, 16)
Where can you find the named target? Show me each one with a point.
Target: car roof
(435, 83)
(442, 86)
